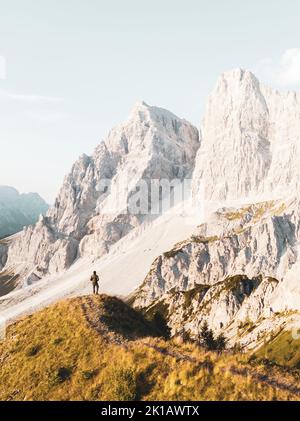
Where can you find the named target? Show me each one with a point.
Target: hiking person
(95, 281)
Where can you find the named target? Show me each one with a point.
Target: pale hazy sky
(72, 69)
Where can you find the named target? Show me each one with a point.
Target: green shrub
(89, 374)
(123, 384)
(207, 339)
(161, 325)
(172, 253)
(59, 376)
(220, 342)
(33, 351)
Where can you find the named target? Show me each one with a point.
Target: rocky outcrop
(18, 210)
(39, 250)
(242, 264)
(237, 299)
(235, 269)
(250, 142)
(91, 210)
(256, 240)
(153, 145)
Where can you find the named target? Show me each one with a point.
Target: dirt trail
(122, 270)
(263, 378)
(171, 353)
(93, 318)
(244, 372)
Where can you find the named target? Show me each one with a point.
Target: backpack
(94, 278)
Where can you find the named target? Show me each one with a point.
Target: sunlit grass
(56, 355)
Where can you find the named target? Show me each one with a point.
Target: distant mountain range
(18, 210)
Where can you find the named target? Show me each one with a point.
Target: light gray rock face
(152, 144)
(40, 249)
(18, 210)
(237, 300)
(244, 261)
(233, 270)
(250, 141)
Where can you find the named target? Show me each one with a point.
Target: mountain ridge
(244, 255)
(152, 144)
(18, 210)
(80, 349)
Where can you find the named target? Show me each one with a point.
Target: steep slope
(239, 267)
(18, 210)
(242, 266)
(121, 270)
(238, 271)
(250, 142)
(98, 348)
(91, 211)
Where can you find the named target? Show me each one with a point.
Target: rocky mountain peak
(250, 141)
(152, 144)
(238, 76)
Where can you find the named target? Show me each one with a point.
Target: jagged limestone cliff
(87, 217)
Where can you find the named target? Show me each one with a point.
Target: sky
(70, 70)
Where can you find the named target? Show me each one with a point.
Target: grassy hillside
(98, 348)
(282, 350)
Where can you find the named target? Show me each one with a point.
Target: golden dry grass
(56, 354)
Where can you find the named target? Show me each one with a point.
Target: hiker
(95, 281)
